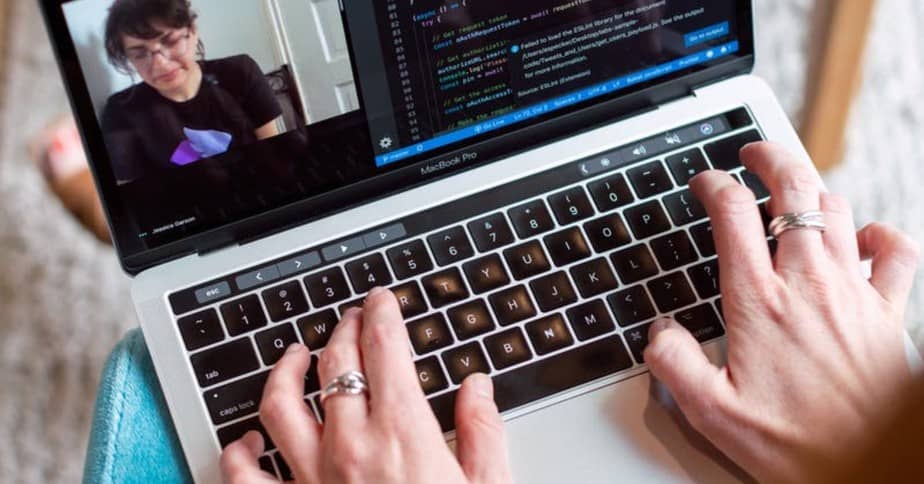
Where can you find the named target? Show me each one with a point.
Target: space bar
(544, 378)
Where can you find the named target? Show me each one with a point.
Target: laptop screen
(203, 114)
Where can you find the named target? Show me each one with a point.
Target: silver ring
(350, 383)
(812, 220)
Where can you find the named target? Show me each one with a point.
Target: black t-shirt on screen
(147, 133)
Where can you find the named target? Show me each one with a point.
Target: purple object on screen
(200, 144)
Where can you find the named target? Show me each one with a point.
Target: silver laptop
(515, 171)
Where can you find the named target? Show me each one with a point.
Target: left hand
(388, 436)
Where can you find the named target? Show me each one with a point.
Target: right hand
(816, 354)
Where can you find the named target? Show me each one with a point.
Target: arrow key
(257, 278)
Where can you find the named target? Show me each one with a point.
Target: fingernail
(254, 441)
(657, 327)
(376, 291)
(294, 348)
(482, 385)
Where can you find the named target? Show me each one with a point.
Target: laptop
(516, 172)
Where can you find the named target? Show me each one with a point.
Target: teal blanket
(132, 439)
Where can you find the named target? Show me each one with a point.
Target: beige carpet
(64, 301)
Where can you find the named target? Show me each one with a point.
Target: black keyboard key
(527, 260)
(312, 380)
(705, 279)
(684, 208)
(553, 291)
(531, 219)
(465, 360)
(450, 246)
(674, 250)
(637, 338)
(471, 319)
(724, 154)
(571, 206)
(631, 306)
(410, 260)
(546, 377)
(590, 320)
(647, 220)
(201, 329)
(512, 305)
(718, 307)
(429, 334)
(266, 465)
(430, 375)
(235, 400)
(608, 233)
(242, 397)
(410, 299)
(317, 328)
(650, 179)
(549, 334)
(671, 292)
(445, 287)
(508, 348)
(702, 236)
(327, 287)
(765, 216)
(486, 274)
(368, 272)
(594, 277)
(611, 193)
(567, 246)
(634, 264)
(702, 322)
(235, 431)
(285, 301)
(491, 232)
(243, 315)
(224, 362)
(753, 182)
(284, 470)
(684, 166)
(273, 342)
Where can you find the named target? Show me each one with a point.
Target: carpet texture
(64, 301)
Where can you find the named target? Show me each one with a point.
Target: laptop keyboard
(546, 284)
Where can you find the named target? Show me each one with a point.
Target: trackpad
(626, 432)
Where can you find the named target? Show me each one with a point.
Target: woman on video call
(187, 108)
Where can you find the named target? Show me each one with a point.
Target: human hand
(815, 354)
(387, 436)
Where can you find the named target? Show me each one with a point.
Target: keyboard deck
(546, 284)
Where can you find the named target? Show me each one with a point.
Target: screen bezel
(402, 177)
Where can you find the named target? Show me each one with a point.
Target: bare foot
(59, 155)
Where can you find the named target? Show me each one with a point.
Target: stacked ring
(813, 220)
(350, 383)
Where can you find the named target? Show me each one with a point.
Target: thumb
(677, 360)
(481, 440)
